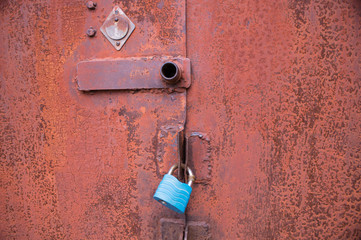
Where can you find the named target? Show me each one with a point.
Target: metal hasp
(132, 73)
(117, 28)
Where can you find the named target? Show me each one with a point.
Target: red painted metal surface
(77, 165)
(275, 86)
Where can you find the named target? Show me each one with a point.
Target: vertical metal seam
(185, 154)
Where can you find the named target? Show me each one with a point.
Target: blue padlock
(172, 193)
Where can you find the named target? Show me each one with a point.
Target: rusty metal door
(270, 115)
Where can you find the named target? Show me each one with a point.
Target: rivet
(116, 19)
(118, 43)
(91, 32)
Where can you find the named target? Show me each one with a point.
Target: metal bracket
(117, 28)
(198, 156)
(130, 73)
(170, 146)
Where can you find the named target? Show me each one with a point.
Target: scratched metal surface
(80, 165)
(276, 86)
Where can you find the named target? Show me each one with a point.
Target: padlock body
(173, 194)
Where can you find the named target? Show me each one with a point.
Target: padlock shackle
(191, 176)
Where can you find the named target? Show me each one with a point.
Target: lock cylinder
(170, 72)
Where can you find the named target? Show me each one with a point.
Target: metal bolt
(91, 4)
(91, 32)
(118, 43)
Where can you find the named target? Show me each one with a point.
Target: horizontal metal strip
(129, 73)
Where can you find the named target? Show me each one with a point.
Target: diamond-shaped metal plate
(117, 28)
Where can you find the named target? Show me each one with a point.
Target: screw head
(91, 4)
(118, 43)
(91, 32)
